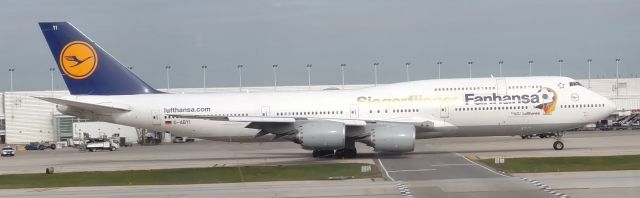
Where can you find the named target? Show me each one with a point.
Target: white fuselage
(456, 107)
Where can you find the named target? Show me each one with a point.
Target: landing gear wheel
(350, 153)
(346, 153)
(322, 153)
(558, 145)
(349, 150)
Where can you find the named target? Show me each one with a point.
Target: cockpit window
(575, 84)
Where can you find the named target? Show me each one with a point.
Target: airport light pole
(406, 65)
(309, 75)
(275, 77)
(240, 76)
(439, 68)
(342, 72)
(11, 70)
(500, 67)
(375, 73)
(167, 68)
(589, 72)
(470, 63)
(560, 63)
(618, 76)
(530, 68)
(204, 78)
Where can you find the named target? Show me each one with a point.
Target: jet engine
(393, 138)
(320, 134)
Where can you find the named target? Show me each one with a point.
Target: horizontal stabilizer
(103, 107)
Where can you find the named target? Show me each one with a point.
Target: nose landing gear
(558, 145)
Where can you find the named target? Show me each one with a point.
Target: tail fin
(86, 68)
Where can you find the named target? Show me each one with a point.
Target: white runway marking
(471, 161)
(385, 170)
(439, 165)
(404, 190)
(415, 170)
(545, 188)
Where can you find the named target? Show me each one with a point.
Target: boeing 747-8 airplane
(388, 118)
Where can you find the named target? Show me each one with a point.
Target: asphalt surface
(438, 168)
(452, 175)
(591, 184)
(346, 188)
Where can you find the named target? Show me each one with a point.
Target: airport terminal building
(24, 118)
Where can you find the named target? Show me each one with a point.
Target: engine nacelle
(321, 134)
(393, 138)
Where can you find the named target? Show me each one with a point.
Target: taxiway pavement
(437, 168)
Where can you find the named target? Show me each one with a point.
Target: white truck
(102, 144)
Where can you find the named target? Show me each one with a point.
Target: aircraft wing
(96, 107)
(259, 119)
(418, 122)
(236, 119)
(283, 127)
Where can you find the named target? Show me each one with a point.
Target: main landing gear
(339, 153)
(322, 153)
(349, 151)
(558, 145)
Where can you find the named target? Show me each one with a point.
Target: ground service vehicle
(38, 146)
(102, 144)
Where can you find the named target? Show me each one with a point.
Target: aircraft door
(265, 111)
(155, 117)
(587, 112)
(501, 86)
(444, 111)
(355, 112)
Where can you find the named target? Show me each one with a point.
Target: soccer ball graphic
(548, 100)
(546, 95)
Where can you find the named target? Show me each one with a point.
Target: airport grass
(188, 176)
(567, 164)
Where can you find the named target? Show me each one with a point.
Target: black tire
(339, 153)
(90, 150)
(53, 147)
(322, 153)
(112, 149)
(558, 145)
(350, 153)
(523, 137)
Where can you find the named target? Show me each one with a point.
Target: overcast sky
(222, 34)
